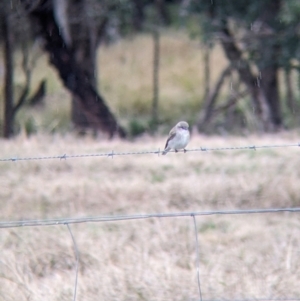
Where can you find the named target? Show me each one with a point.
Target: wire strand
(113, 218)
(77, 261)
(154, 152)
(197, 256)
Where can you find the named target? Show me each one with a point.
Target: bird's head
(182, 125)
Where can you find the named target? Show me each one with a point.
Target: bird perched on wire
(178, 138)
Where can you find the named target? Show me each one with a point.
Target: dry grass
(241, 256)
(125, 81)
(126, 75)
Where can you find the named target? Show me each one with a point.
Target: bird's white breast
(181, 139)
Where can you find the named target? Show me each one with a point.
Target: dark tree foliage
(260, 33)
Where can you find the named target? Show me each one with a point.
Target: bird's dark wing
(171, 136)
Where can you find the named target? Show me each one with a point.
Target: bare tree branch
(209, 103)
(232, 100)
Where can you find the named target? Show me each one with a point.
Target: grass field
(125, 72)
(240, 256)
(125, 80)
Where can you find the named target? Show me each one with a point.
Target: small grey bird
(178, 138)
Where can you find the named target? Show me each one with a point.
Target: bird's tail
(165, 151)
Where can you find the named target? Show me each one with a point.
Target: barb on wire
(63, 157)
(112, 218)
(197, 255)
(77, 260)
(112, 154)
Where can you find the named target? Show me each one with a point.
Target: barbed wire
(114, 218)
(155, 152)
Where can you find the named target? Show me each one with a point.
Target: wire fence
(113, 154)
(116, 218)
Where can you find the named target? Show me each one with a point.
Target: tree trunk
(268, 62)
(8, 61)
(156, 59)
(12, 106)
(258, 96)
(84, 41)
(72, 74)
(269, 83)
(290, 98)
(206, 59)
(163, 13)
(139, 14)
(61, 16)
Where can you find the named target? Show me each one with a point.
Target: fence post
(156, 60)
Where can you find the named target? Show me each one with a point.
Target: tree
(14, 29)
(84, 24)
(75, 78)
(8, 59)
(258, 42)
